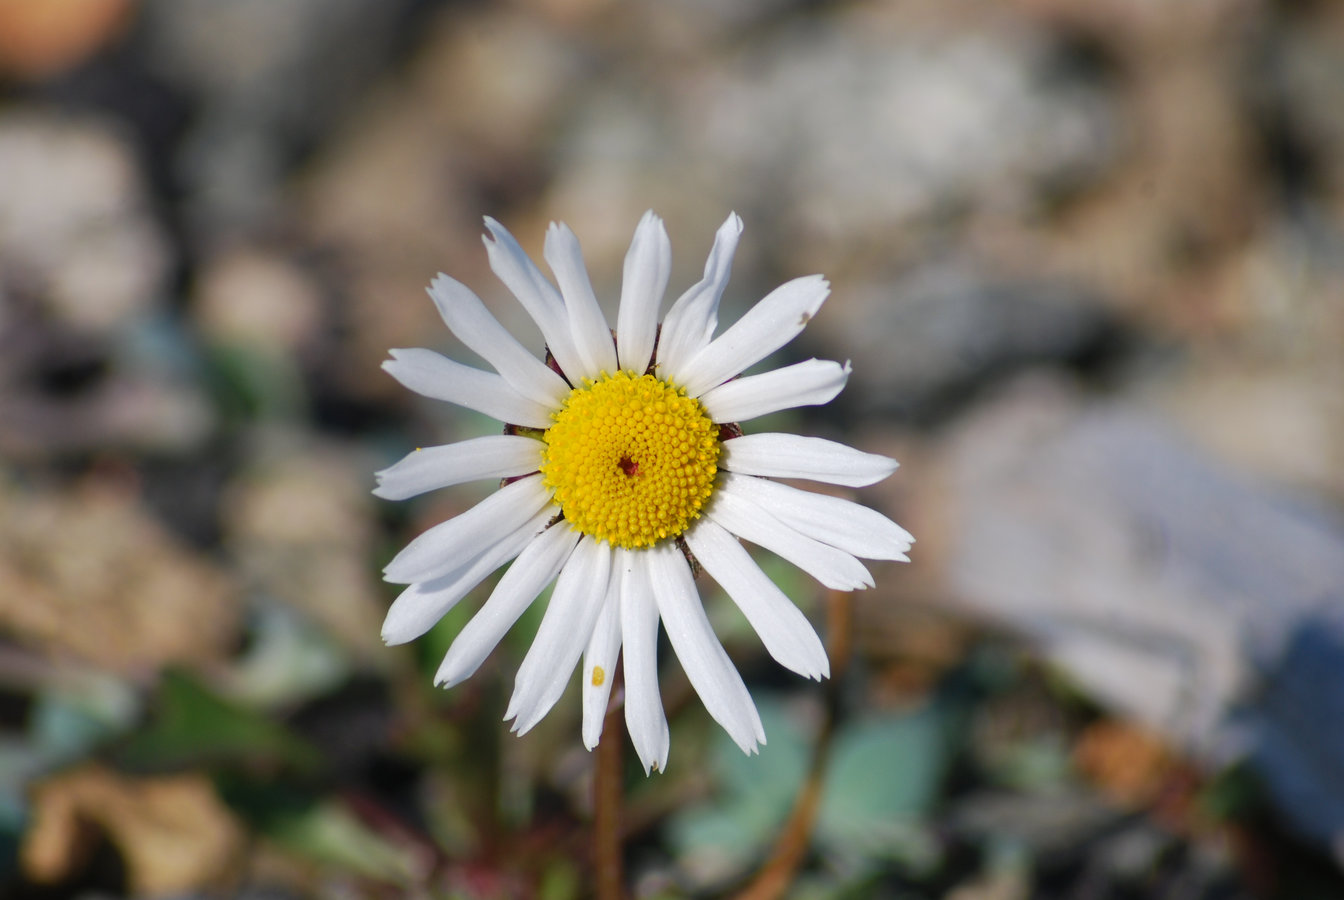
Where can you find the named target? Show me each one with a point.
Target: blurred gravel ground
(1086, 260)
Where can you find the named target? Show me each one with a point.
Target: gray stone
(1174, 591)
(838, 131)
(1044, 824)
(76, 232)
(270, 78)
(929, 336)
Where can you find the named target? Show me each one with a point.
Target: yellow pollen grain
(631, 459)
(598, 676)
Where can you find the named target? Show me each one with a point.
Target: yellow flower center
(631, 459)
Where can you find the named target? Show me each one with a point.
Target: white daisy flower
(620, 459)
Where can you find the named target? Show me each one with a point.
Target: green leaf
(195, 726)
(885, 775)
(290, 660)
(328, 833)
(252, 383)
(718, 840)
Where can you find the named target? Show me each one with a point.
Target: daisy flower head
(621, 460)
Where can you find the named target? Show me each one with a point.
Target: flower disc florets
(631, 459)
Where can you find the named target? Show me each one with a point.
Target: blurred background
(1087, 258)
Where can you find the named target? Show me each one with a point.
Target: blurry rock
(83, 265)
(1009, 884)
(120, 412)
(1170, 589)
(64, 391)
(568, 12)
(90, 573)
(507, 111)
(1294, 732)
(390, 191)
(675, 33)
(252, 52)
(172, 832)
(935, 334)
(417, 164)
(257, 298)
(1137, 26)
(1144, 860)
(75, 225)
(270, 78)
(844, 129)
(1288, 289)
(1187, 184)
(38, 40)
(1265, 396)
(389, 198)
(1046, 825)
(1298, 436)
(705, 20)
(300, 525)
(1301, 91)
(400, 190)
(1081, 847)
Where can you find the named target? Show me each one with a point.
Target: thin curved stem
(777, 873)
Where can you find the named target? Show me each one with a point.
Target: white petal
(841, 523)
(784, 630)
(690, 323)
(809, 383)
(564, 631)
(534, 568)
(537, 295)
(587, 325)
(430, 468)
(425, 602)
(599, 662)
(766, 327)
(441, 549)
(433, 375)
(793, 456)
(834, 568)
(648, 263)
(707, 665)
(644, 717)
(466, 316)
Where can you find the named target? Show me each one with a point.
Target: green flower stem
(777, 873)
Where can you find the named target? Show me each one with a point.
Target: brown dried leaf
(173, 832)
(1127, 762)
